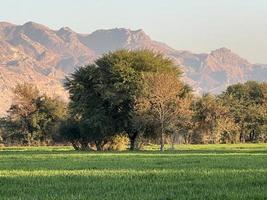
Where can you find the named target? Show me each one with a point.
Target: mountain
(37, 54)
(215, 71)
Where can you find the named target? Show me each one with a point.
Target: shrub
(119, 142)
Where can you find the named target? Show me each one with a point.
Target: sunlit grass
(190, 172)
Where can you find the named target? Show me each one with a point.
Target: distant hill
(34, 53)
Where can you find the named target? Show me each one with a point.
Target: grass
(191, 172)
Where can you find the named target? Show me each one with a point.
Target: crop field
(190, 172)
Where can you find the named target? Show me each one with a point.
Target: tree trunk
(162, 138)
(241, 138)
(99, 146)
(75, 146)
(253, 135)
(133, 141)
(132, 144)
(173, 140)
(84, 145)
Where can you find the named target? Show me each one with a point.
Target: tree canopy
(104, 95)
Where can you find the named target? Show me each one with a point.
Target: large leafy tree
(88, 108)
(104, 96)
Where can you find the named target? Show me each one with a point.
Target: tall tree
(163, 97)
(105, 95)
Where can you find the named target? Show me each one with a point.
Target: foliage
(70, 131)
(213, 122)
(248, 105)
(104, 95)
(119, 142)
(33, 118)
(163, 97)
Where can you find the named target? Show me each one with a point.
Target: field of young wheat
(190, 172)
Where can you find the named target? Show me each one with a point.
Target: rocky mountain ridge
(35, 53)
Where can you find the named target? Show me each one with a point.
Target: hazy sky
(195, 25)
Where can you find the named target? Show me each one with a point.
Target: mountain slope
(35, 53)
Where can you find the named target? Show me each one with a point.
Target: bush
(119, 143)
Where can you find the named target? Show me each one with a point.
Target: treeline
(132, 98)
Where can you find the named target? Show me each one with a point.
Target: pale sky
(195, 25)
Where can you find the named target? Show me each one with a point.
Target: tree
(183, 125)
(48, 116)
(33, 117)
(104, 95)
(163, 97)
(21, 111)
(139, 63)
(208, 117)
(247, 103)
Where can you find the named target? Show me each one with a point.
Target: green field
(192, 172)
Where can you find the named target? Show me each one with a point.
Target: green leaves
(105, 94)
(33, 117)
(248, 104)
